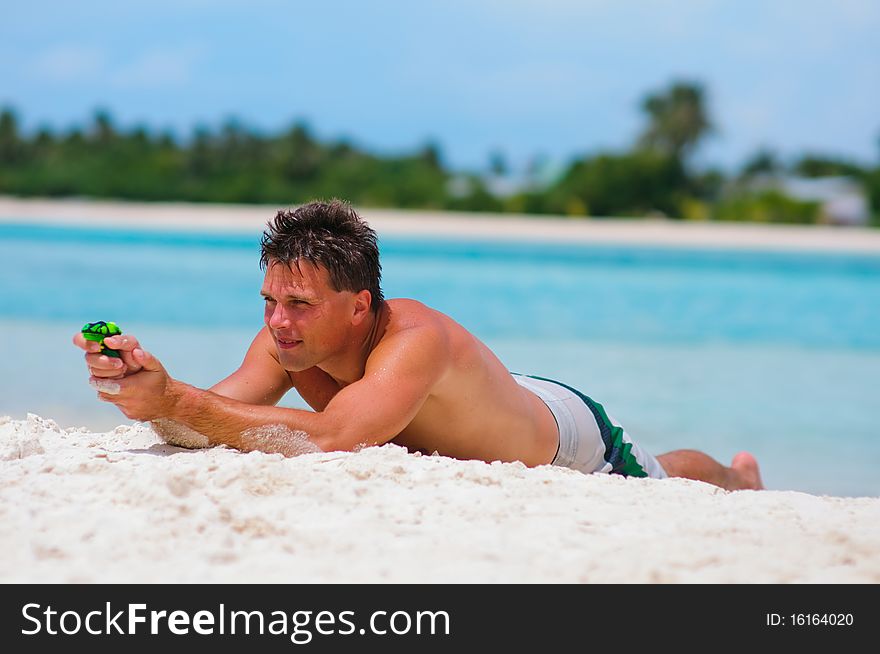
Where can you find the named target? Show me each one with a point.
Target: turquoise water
(719, 351)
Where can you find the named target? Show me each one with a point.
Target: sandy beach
(391, 222)
(123, 506)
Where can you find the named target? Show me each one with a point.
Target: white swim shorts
(589, 439)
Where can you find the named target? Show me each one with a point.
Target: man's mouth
(286, 344)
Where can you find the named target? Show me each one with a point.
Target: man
(376, 371)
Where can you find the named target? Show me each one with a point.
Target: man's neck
(350, 367)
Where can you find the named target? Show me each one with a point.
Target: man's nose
(278, 318)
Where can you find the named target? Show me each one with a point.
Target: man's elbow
(326, 438)
(327, 432)
(279, 439)
(331, 431)
(338, 442)
(348, 439)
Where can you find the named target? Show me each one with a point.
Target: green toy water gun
(98, 331)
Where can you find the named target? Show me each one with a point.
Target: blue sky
(550, 77)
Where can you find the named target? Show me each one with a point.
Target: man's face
(309, 321)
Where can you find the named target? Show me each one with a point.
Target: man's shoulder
(409, 306)
(414, 327)
(414, 319)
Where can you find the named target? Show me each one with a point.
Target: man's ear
(362, 303)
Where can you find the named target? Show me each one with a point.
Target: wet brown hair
(329, 234)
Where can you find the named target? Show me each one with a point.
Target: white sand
(124, 507)
(388, 222)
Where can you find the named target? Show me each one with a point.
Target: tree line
(656, 176)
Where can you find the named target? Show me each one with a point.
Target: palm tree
(678, 120)
(11, 145)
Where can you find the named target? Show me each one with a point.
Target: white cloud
(159, 67)
(163, 67)
(69, 63)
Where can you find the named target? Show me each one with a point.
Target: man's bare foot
(746, 468)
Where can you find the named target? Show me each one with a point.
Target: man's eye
(268, 299)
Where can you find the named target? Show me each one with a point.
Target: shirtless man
(377, 371)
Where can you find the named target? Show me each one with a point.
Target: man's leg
(743, 472)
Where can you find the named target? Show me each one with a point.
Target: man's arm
(260, 379)
(399, 376)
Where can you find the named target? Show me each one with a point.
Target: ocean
(721, 351)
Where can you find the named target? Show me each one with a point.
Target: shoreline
(180, 216)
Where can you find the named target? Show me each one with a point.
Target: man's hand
(103, 367)
(147, 394)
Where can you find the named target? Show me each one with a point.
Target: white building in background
(843, 199)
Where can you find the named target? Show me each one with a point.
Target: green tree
(11, 148)
(498, 163)
(432, 155)
(300, 153)
(764, 161)
(621, 185)
(200, 155)
(677, 120)
(812, 165)
(872, 188)
(768, 206)
(103, 131)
